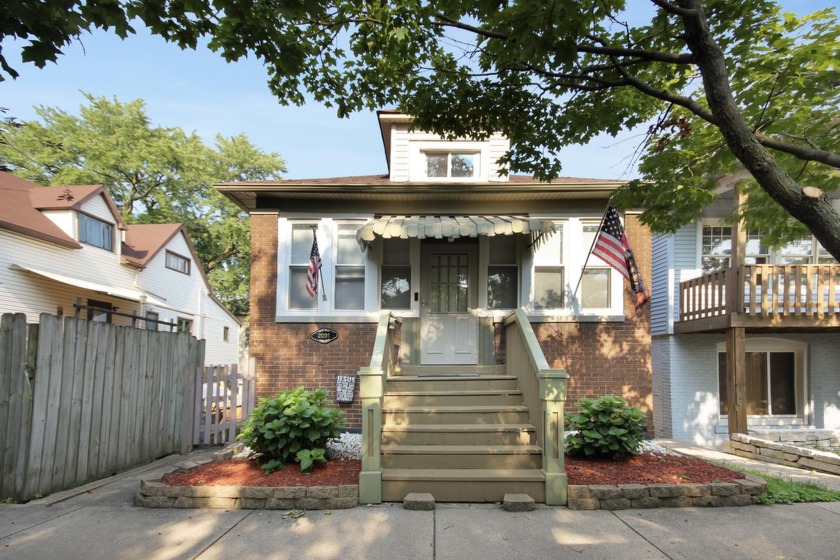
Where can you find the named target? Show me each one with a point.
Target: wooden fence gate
(224, 398)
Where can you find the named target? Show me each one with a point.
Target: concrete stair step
(467, 414)
(462, 456)
(463, 485)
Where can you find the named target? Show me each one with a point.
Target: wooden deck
(762, 297)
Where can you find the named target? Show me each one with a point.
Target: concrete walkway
(98, 521)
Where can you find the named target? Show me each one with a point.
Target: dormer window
(96, 232)
(451, 164)
(177, 262)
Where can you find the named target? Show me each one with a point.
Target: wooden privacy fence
(81, 400)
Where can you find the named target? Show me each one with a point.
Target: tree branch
(652, 56)
(676, 10)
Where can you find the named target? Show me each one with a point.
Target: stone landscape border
(782, 449)
(645, 496)
(156, 494)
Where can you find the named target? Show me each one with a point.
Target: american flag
(314, 268)
(612, 247)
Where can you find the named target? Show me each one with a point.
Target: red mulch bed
(641, 469)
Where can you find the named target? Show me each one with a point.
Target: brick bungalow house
(447, 248)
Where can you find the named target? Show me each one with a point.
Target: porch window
(349, 270)
(301, 249)
(451, 164)
(716, 247)
(95, 232)
(395, 275)
(771, 383)
(502, 273)
(549, 272)
(184, 325)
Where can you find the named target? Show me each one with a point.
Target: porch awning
(449, 227)
(117, 292)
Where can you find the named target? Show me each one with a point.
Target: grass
(784, 491)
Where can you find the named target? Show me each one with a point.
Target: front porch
(463, 433)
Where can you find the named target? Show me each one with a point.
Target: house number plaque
(324, 336)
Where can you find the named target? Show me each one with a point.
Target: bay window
(395, 274)
(349, 270)
(502, 273)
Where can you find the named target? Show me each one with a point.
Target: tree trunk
(815, 212)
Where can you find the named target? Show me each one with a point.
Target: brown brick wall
(286, 357)
(608, 358)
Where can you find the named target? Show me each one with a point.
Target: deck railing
(371, 391)
(544, 392)
(763, 290)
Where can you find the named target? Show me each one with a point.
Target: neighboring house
(451, 246)
(65, 244)
(778, 308)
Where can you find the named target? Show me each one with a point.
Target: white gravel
(348, 446)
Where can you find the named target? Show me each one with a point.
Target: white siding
(499, 145)
(399, 152)
(66, 220)
(181, 292)
(24, 292)
(214, 319)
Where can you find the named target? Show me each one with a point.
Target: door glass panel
(782, 383)
(448, 283)
(757, 383)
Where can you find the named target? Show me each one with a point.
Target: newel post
(553, 396)
(371, 389)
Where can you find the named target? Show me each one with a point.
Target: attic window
(96, 232)
(177, 262)
(451, 164)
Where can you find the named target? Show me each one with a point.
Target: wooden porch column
(736, 380)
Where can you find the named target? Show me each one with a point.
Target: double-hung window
(549, 272)
(93, 231)
(716, 247)
(338, 285)
(349, 270)
(596, 278)
(299, 267)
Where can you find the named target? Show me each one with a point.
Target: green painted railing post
(553, 395)
(371, 391)
(370, 479)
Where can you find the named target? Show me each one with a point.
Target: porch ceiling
(448, 227)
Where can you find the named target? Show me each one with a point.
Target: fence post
(553, 395)
(188, 408)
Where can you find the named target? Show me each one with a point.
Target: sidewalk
(98, 521)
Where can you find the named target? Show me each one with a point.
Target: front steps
(459, 433)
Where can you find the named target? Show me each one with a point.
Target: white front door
(448, 319)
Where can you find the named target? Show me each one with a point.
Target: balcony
(763, 297)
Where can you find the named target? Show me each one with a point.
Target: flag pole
(314, 229)
(594, 240)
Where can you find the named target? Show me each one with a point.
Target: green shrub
(605, 427)
(292, 426)
(785, 491)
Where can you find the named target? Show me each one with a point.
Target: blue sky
(198, 91)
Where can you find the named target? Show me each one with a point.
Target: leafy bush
(292, 426)
(605, 427)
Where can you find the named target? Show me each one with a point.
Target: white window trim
(327, 232)
(417, 160)
(767, 344)
(574, 257)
